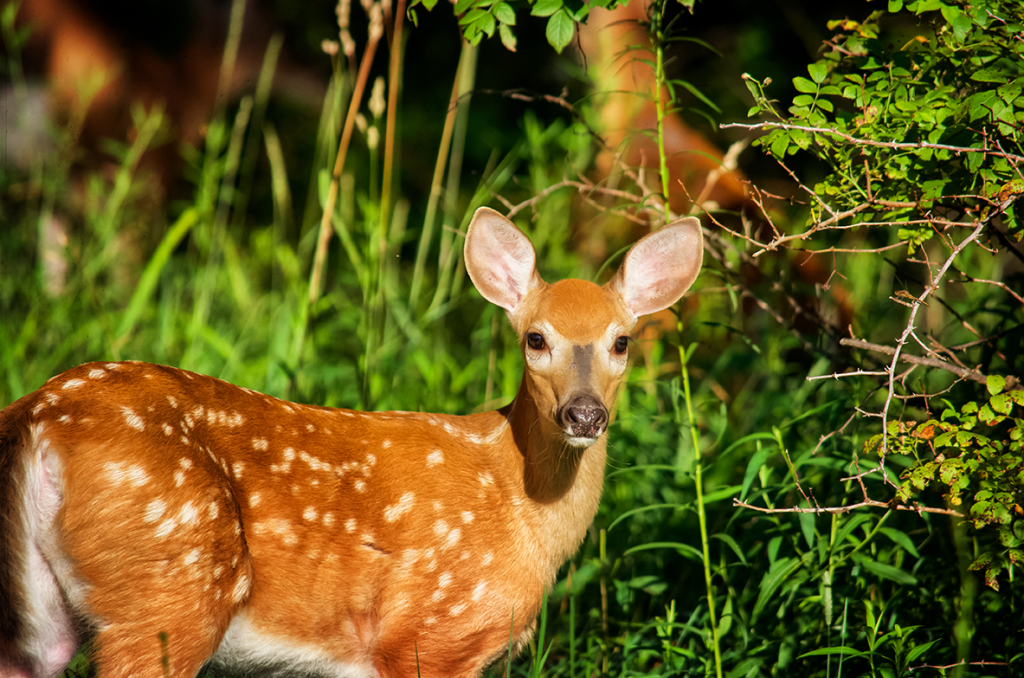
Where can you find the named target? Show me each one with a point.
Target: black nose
(584, 417)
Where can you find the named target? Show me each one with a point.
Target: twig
(376, 30)
(959, 663)
(846, 508)
(973, 375)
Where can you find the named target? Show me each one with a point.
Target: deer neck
(561, 483)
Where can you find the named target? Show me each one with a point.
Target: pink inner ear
(499, 259)
(661, 267)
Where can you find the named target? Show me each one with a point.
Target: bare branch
(867, 503)
(973, 375)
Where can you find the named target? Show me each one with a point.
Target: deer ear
(500, 259)
(660, 267)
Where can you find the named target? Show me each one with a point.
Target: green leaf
(960, 23)
(560, 30)
(895, 6)
(779, 145)
(919, 650)
(995, 384)
(733, 545)
(901, 539)
(685, 549)
(885, 571)
(804, 85)
(757, 460)
(546, 7)
(989, 75)
(818, 72)
(507, 37)
(781, 570)
(841, 649)
(505, 14)
(151, 275)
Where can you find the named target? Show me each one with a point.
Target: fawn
(183, 520)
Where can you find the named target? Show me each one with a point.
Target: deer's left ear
(500, 259)
(660, 267)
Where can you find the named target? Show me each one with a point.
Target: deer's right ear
(660, 267)
(500, 259)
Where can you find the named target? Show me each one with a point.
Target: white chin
(577, 441)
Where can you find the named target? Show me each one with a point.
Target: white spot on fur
(236, 469)
(167, 430)
(396, 511)
(154, 510)
(65, 419)
(97, 373)
(488, 557)
(309, 514)
(441, 528)
(166, 527)
(277, 526)
(73, 383)
(486, 479)
(121, 472)
(241, 588)
(434, 458)
(260, 444)
(179, 478)
(467, 516)
(132, 419)
(192, 557)
(350, 525)
(213, 511)
(173, 402)
(360, 486)
(189, 514)
(386, 444)
(478, 592)
(254, 499)
(453, 538)
(328, 519)
(457, 609)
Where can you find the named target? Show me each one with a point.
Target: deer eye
(621, 344)
(535, 341)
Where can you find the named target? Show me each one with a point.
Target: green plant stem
(394, 80)
(449, 253)
(427, 234)
(702, 519)
(658, 35)
(377, 305)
